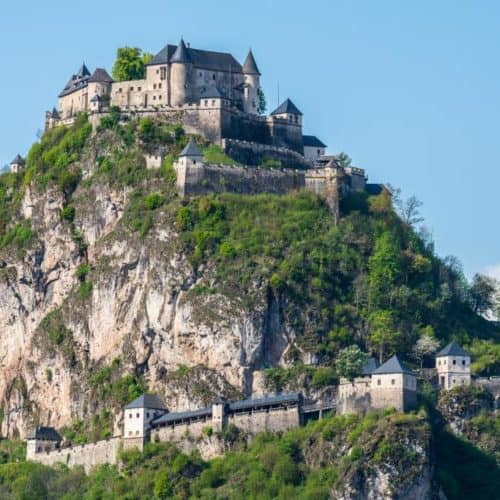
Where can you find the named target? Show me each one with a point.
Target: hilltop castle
(209, 92)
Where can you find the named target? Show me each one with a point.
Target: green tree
(344, 160)
(425, 346)
(262, 105)
(384, 268)
(350, 361)
(384, 335)
(482, 293)
(130, 64)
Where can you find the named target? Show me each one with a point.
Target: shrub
(85, 290)
(68, 214)
(82, 271)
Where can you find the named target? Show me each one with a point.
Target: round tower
(252, 84)
(181, 70)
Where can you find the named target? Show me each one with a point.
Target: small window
(154, 86)
(454, 361)
(201, 74)
(206, 103)
(463, 362)
(154, 98)
(119, 90)
(213, 103)
(130, 415)
(157, 71)
(131, 89)
(139, 89)
(147, 414)
(159, 97)
(138, 415)
(439, 362)
(136, 433)
(129, 433)
(393, 382)
(378, 382)
(213, 76)
(159, 85)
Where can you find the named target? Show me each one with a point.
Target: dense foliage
(130, 64)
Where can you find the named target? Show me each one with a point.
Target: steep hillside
(109, 283)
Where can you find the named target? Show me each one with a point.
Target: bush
(82, 271)
(68, 214)
(85, 290)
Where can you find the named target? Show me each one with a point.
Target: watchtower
(453, 366)
(40, 440)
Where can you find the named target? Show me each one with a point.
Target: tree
(130, 64)
(350, 361)
(425, 346)
(482, 293)
(262, 106)
(409, 211)
(344, 160)
(384, 337)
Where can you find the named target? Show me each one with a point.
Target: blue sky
(410, 90)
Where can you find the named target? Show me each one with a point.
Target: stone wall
(87, 455)
(254, 153)
(179, 432)
(354, 396)
(270, 419)
(202, 179)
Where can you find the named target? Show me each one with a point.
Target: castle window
(119, 90)
(206, 103)
(159, 85)
(213, 103)
(136, 433)
(393, 382)
(154, 98)
(139, 89)
(163, 73)
(131, 89)
(213, 76)
(130, 415)
(201, 74)
(159, 97)
(138, 415)
(147, 414)
(379, 381)
(463, 362)
(439, 362)
(454, 361)
(157, 71)
(154, 86)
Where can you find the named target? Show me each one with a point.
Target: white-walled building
(453, 366)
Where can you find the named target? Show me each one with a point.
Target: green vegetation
(262, 106)
(53, 328)
(21, 236)
(130, 64)
(270, 163)
(215, 154)
(370, 280)
(299, 376)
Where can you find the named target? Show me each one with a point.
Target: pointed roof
(369, 367)
(287, 106)
(191, 149)
(452, 349)
(18, 159)
(181, 54)
(392, 365)
(312, 141)
(250, 66)
(100, 75)
(55, 113)
(151, 401)
(44, 434)
(83, 71)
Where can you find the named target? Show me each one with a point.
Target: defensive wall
(87, 455)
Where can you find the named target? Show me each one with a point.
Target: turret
(42, 440)
(17, 164)
(181, 70)
(252, 84)
(453, 366)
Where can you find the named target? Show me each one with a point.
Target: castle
(390, 385)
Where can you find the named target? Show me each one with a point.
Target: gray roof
(250, 66)
(76, 82)
(374, 189)
(55, 113)
(191, 149)
(45, 434)
(312, 141)
(287, 106)
(211, 93)
(96, 98)
(369, 367)
(100, 75)
(19, 160)
(151, 401)
(181, 54)
(203, 59)
(452, 349)
(266, 401)
(392, 365)
(183, 415)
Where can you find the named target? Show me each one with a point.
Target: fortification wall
(247, 152)
(354, 396)
(87, 455)
(270, 419)
(180, 432)
(204, 179)
(401, 399)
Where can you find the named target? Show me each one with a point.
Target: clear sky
(410, 90)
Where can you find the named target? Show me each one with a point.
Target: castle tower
(219, 415)
(17, 164)
(181, 69)
(393, 385)
(190, 156)
(137, 418)
(285, 124)
(40, 440)
(453, 366)
(252, 85)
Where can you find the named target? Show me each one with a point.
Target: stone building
(391, 385)
(42, 440)
(314, 149)
(453, 366)
(17, 164)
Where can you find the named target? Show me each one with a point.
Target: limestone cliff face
(143, 308)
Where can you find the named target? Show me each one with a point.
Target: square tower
(393, 385)
(137, 418)
(42, 440)
(453, 366)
